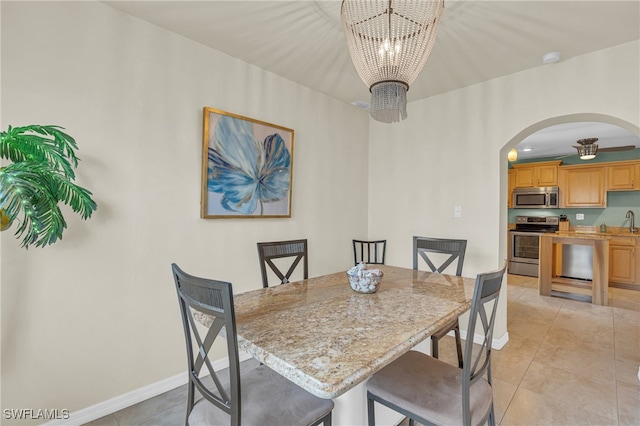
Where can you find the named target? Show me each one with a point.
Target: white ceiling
(560, 140)
(478, 40)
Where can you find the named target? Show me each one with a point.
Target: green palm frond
(40, 144)
(26, 194)
(40, 177)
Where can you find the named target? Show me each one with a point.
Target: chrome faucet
(632, 225)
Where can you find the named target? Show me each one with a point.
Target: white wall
(96, 315)
(448, 152)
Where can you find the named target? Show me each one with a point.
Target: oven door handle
(515, 232)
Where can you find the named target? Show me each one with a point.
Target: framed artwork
(247, 167)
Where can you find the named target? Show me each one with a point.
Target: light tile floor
(567, 362)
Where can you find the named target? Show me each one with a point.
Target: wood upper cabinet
(511, 173)
(624, 176)
(623, 264)
(536, 174)
(582, 186)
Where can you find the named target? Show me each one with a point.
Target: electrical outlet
(579, 216)
(457, 211)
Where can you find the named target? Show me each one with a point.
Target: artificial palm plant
(39, 177)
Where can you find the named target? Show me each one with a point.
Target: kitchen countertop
(612, 231)
(582, 235)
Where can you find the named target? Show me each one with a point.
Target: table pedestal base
(351, 409)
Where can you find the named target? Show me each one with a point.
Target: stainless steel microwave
(536, 198)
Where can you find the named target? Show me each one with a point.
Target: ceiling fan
(588, 148)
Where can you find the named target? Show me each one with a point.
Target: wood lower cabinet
(623, 263)
(582, 186)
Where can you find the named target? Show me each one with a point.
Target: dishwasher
(577, 262)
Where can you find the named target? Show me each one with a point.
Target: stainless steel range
(524, 256)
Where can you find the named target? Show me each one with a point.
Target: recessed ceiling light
(550, 57)
(527, 149)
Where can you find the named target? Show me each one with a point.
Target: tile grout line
(527, 288)
(615, 356)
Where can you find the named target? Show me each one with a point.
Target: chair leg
(371, 415)
(327, 420)
(492, 416)
(412, 422)
(458, 345)
(434, 346)
(190, 398)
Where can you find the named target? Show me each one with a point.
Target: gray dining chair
(447, 251)
(270, 251)
(371, 252)
(430, 391)
(257, 396)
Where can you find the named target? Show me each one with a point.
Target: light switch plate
(457, 211)
(579, 216)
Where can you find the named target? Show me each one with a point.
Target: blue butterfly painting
(249, 172)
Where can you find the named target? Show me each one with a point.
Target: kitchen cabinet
(582, 186)
(624, 176)
(531, 175)
(623, 264)
(511, 174)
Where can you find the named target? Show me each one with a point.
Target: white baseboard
(425, 346)
(500, 342)
(478, 339)
(128, 399)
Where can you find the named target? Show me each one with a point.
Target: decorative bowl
(364, 280)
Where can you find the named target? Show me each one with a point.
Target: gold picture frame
(247, 167)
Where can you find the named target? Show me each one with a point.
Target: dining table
(328, 339)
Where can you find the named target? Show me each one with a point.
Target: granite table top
(326, 338)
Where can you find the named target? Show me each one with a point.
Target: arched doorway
(630, 132)
(536, 127)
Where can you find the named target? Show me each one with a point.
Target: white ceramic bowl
(366, 281)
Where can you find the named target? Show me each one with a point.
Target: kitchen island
(597, 287)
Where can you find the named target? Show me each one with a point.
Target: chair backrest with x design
(429, 391)
(487, 289)
(455, 249)
(230, 396)
(213, 298)
(269, 251)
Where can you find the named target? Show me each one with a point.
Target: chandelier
(390, 42)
